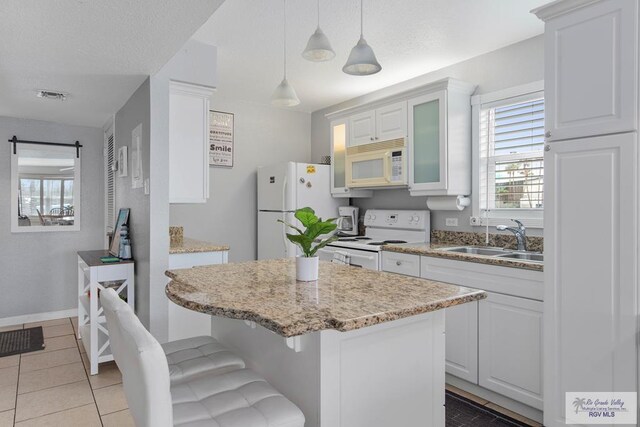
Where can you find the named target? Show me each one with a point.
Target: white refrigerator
(283, 188)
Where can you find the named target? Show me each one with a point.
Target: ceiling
(409, 37)
(97, 51)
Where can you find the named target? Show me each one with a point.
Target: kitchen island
(356, 348)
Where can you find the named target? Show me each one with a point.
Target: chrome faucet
(520, 232)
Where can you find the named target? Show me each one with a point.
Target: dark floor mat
(462, 412)
(21, 341)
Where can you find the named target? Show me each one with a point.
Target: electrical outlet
(474, 220)
(451, 222)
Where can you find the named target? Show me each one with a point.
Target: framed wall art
(123, 166)
(220, 139)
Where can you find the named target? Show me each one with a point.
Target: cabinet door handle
(398, 263)
(547, 134)
(371, 138)
(377, 138)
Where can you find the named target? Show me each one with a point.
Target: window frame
(15, 228)
(532, 218)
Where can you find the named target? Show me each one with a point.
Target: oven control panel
(405, 219)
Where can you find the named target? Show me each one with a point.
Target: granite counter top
(344, 298)
(434, 250)
(189, 246)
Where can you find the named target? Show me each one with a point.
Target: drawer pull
(398, 263)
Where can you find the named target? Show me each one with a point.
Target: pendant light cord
(318, 13)
(361, 20)
(284, 36)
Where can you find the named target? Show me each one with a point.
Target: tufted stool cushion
(191, 357)
(236, 399)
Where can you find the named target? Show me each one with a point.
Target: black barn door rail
(15, 141)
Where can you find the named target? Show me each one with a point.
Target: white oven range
(382, 227)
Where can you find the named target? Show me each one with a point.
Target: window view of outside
(47, 195)
(512, 143)
(45, 186)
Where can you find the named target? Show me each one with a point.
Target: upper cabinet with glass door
(339, 133)
(440, 139)
(45, 189)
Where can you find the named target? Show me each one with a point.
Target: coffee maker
(348, 221)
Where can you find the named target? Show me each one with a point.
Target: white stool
(237, 398)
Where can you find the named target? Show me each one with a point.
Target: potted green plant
(308, 240)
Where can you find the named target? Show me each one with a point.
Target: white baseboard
(38, 317)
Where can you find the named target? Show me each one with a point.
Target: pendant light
(318, 47)
(362, 61)
(285, 95)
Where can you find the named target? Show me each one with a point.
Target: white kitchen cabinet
(339, 133)
(396, 262)
(510, 347)
(590, 68)
(391, 122)
(497, 342)
(362, 128)
(461, 331)
(188, 143)
(440, 141)
(473, 331)
(382, 124)
(591, 267)
(185, 323)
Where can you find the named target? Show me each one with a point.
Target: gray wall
(39, 270)
(194, 63)
(136, 111)
(263, 135)
(510, 66)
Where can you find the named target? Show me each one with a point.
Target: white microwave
(379, 164)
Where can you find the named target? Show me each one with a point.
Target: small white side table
(93, 276)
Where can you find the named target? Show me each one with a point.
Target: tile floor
(493, 406)
(53, 388)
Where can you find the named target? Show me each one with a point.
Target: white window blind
(511, 138)
(110, 189)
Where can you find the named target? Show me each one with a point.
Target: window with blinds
(511, 154)
(110, 188)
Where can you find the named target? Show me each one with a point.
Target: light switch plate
(146, 186)
(451, 222)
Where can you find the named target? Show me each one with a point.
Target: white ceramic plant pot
(307, 268)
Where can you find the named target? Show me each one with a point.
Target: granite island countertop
(190, 246)
(344, 298)
(434, 250)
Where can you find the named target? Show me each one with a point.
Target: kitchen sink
(476, 250)
(497, 253)
(524, 256)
